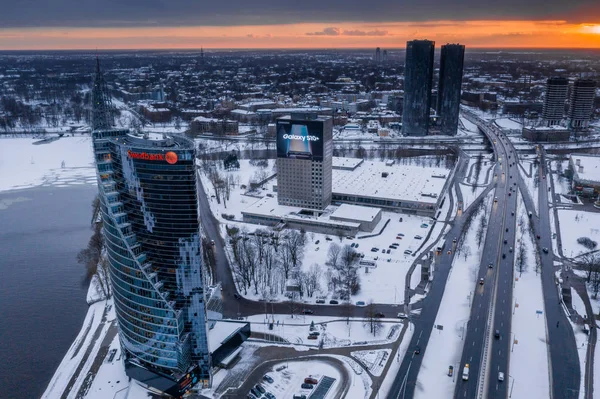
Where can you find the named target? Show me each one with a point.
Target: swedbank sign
(170, 156)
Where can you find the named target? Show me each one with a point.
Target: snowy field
(530, 182)
(469, 126)
(576, 224)
(24, 165)
(333, 332)
(445, 346)
(561, 184)
(529, 358)
(470, 194)
(374, 360)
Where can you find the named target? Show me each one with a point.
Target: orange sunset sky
(537, 34)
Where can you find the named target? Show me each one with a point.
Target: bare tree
(590, 262)
(334, 255)
(521, 257)
(372, 321)
(465, 251)
(294, 245)
(481, 230)
(310, 280)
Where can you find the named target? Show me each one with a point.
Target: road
(406, 378)
(564, 365)
(492, 294)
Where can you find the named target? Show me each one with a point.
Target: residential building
(554, 100)
(418, 74)
(450, 83)
(582, 103)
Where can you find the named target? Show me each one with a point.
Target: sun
(592, 29)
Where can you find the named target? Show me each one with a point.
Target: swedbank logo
(170, 156)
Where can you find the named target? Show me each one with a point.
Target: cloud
(357, 32)
(333, 31)
(326, 32)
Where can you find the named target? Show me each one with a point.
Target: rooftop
(356, 212)
(591, 167)
(403, 182)
(221, 332)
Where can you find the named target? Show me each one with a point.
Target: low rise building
(586, 174)
(202, 125)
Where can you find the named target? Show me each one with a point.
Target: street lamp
(512, 385)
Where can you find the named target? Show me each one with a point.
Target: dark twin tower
(418, 79)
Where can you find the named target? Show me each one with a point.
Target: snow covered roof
(356, 212)
(591, 168)
(403, 182)
(221, 332)
(345, 163)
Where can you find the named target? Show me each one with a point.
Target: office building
(384, 56)
(554, 101)
(417, 87)
(304, 157)
(148, 197)
(582, 104)
(378, 55)
(448, 98)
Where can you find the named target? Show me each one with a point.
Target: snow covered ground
(470, 194)
(445, 346)
(288, 381)
(24, 165)
(469, 126)
(529, 358)
(333, 331)
(532, 185)
(561, 184)
(576, 224)
(374, 360)
(386, 385)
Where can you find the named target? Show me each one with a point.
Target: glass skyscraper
(418, 74)
(148, 195)
(448, 98)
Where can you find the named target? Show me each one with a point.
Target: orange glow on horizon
(474, 34)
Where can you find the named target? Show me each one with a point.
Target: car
(356, 246)
(361, 303)
(307, 311)
(320, 301)
(481, 281)
(311, 380)
(417, 350)
(389, 250)
(255, 392)
(407, 252)
(333, 302)
(510, 249)
(250, 396)
(260, 388)
(512, 214)
(537, 236)
(503, 256)
(269, 395)
(545, 250)
(424, 226)
(317, 242)
(312, 337)
(379, 315)
(490, 266)
(509, 194)
(306, 386)
(500, 376)
(299, 396)
(398, 238)
(400, 235)
(317, 248)
(507, 229)
(401, 315)
(392, 246)
(212, 242)
(505, 241)
(374, 249)
(329, 238)
(314, 333)
(418, 237)
(496, 198)
(237, 296)
(454, 241)
(352, 245)
(268, 378)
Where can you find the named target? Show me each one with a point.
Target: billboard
(300, 139)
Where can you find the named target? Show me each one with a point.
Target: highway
(492, 300)
(564, 365)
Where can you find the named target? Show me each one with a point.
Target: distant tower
(378, 55)
(102, 116)
(554, 101)
(448, 98)
(418, 73)
(385, 56)
(582, 103)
